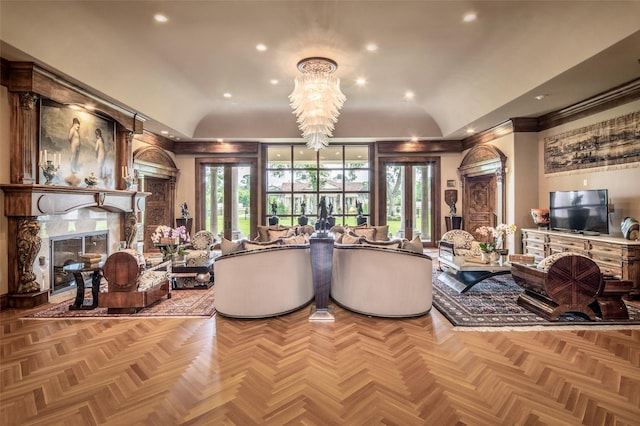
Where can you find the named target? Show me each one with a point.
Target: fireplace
(68, 249)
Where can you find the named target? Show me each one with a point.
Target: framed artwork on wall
(81, 143)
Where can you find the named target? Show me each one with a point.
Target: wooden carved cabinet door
(479, 202)
(158, 209)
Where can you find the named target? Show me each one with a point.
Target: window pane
(421, 207)
(395, 200)
(330, 180)
(329, 172)
(356, 157)
(278, 180)
(214, 193)
(279, 204)
(356, 180)
(278, 157)
(304, 158)
(309, 201)
(331, 158)
(305, 180)
(352, 200)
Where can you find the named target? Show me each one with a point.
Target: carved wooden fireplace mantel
(39, 200)
(24, 203)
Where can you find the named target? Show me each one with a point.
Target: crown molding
(612, 98)
(404, 147)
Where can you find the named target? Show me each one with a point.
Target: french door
(226, 197)
(409, 201)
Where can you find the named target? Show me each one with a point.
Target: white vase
(494, 257)
(484, 256)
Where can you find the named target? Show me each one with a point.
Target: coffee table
(462, 274)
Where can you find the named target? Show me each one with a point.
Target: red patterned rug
(183, 303)
(492, 303)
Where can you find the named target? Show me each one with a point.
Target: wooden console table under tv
(617, 257)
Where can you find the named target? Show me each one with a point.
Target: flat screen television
(583, 211)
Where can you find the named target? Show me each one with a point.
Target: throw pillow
(459, 241)
(368, 233)
(296, 240)
(382, 232)
(228, 246)
(414, 245)
(394, 244)
(202, 240)
(274, 234)
(351, 239)
(263, 231)
(305, 230)
(253, 245)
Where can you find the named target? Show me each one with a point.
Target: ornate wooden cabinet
(616, 257)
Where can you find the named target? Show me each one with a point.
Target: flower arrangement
(495, 236)
(170, 239)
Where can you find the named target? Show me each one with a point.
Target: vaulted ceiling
(464, 75)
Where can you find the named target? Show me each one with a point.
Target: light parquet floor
(354, 371)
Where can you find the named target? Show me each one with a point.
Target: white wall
(449, 164)
(623, 184)
(186, 185)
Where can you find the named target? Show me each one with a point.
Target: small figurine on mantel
(185, 210)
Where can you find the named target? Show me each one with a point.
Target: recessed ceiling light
(274, 81)
(470, 17)
(90, 107)
(470, 130)
(372, 47)
(261, 47)
(409, 95)
(361, 81)
(226, 95)
(164, 132)
(159, 17)
(414, 139)
(221, 140)
(540, 97)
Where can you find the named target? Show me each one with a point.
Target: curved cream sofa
(381, 282)
(263, 283)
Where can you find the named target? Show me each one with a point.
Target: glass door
(409, 198)
(226, 202)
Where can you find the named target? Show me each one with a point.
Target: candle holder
(49, 170)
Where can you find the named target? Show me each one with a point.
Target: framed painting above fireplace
(81, 142)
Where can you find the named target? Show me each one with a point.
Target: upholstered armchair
(129, 287)
(458, 243)
(570, 282)
(201, 251)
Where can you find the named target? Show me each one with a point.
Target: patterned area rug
(492, 303)
(183, 303)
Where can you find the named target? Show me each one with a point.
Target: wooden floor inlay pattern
(354, 371)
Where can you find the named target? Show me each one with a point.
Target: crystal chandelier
(316, 100)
